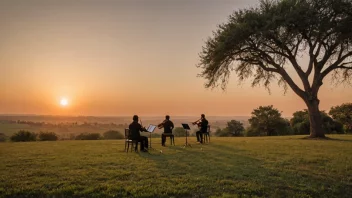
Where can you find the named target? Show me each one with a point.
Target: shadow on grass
(325, 138)
(219, 170)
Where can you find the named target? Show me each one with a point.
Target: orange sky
(122, 58)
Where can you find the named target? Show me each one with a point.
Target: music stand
(186, 127)
(150, 129)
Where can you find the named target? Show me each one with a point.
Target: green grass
(227, 167)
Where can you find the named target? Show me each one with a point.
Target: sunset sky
(123, 57)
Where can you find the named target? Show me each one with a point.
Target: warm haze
(122, 58)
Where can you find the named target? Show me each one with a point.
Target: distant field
(63, 131)
(227, 167)
(65, 126)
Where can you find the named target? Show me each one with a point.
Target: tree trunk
(316, 123)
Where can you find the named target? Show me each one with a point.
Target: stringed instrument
(144, 129)
(161, 125)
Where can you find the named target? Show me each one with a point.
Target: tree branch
(294, 63)
(336, 65)
(328, 53)
(291, 83)
(312, 57)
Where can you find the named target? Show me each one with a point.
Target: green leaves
(271, 38)
(267, 120)
(343, 114)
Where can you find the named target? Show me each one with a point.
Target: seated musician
(203, 127)
(168, 125)
(135, 129)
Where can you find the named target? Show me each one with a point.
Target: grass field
(227, 167)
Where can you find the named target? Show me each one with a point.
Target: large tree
(264, 42)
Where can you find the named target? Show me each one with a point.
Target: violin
(143, 128)
(161, 125)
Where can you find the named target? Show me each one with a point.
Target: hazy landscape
(64, 126)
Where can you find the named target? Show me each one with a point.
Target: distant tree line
(27, 136)
(64, 124)
(265, 121)
(268, 121)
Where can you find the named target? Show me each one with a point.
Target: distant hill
(112, 119)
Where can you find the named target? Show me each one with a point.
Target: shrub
(88, 136)
(155, 135)
(179, 132)
(222, 132)
(250, 132)
(301, 125)
(72, 136)
(23, 136)
(111, 135)
(47, 136)
(3, 137)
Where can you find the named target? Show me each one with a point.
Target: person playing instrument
(203, 125)
(168, 125)
(135, 129)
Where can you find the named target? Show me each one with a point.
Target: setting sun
(63, 102)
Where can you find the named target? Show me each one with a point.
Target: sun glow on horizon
(63, 102)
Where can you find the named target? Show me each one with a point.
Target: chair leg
(136, 147)
(128, 146)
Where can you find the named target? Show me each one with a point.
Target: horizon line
(17, 114)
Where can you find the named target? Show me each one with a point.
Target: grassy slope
(227, 167)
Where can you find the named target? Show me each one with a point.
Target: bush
(88, 136)
(179, 132)
(3, 137)
(250, 132)
(301, 125)
(155, 135)
(222, 132)
(47, 136)
(301, 128)
(23, 136)
(112, 135)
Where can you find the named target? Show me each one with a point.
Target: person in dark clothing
(168, 125)
(135, 129)
(203, 127)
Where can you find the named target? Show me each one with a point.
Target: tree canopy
(262, 43)
(300, 123)
(266, 120)
(343, 114)
(233, 128)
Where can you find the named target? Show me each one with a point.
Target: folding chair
(129, 141)
(172, 137)
(206, 136)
